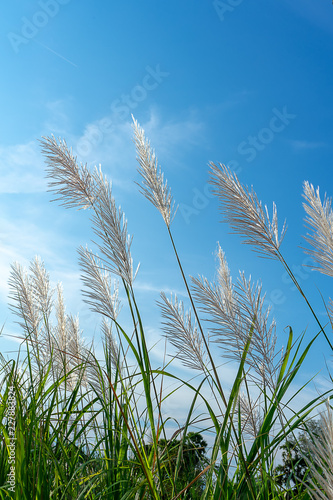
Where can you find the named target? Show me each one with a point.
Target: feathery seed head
(250, 415)
(32, 302)
(73, 183)
(78, 187)
(99, 292)
(245, 214)
(182, 333)
(110, 344)
(224, 280)
(320, 220)
(40, 281)
(322, 455)
(234, 311)
(153, 186)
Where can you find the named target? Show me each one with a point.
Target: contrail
(56, 53)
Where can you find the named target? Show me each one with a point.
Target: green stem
(210, 356)
(294, 280)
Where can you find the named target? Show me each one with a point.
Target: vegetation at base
(294, 473)
(192, 451)
(90, 425)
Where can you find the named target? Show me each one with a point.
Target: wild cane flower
(24, 306)
(224, 280)
(102, 297)
(251, 419)
(110, 343)
(69, 347)
(322, 455)
(32, 298)
(245, 214)
(33, 304)
(153, 186)
(61, 352)
(72, 182)
(320, 220)
(77, 187)
(182, 333)
(40, 281)
(234, 310)
(76, 348)
(98, 286)
(179, 327)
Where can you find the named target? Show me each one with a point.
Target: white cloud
(58, 121)
(166, 136)
(149, 287)
(108, 141)
(22, 168)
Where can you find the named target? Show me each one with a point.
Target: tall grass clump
(97, 428)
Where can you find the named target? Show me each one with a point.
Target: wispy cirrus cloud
(21, 239)
(21, 168)
(153, 288)
(58, 121)
(108, 141)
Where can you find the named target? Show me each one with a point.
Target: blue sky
(246, 83)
